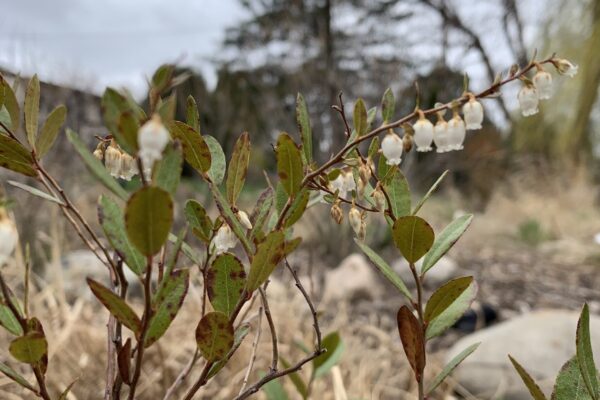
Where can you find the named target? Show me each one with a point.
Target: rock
(353, 278)
(444, 270)
(541, 341)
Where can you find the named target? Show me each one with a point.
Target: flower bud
(243, 217)
(456, 133)
(365, 170)
(99, 152)
(392, 148)
(423, 133)
(379, 198)
(152, 139)
(566, 67)
(128, 167)
(543, 83)
(112, 160)
(356, 221)
(336, 212)
(224, 240)
(528, 100)
(473, 113)
(440, 136)
(407, 143)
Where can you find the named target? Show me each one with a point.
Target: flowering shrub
(148, 147)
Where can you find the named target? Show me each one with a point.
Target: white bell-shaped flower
(243, 217)
(392, 148)
(152, 140)
(440, 135)
(566, 67)
(473, 113)
(528, 100)
(224, 240)
(357, 222)
(112, 160)
(8, 236)
(423, 136)
(543, 83)
(379, 198)
(456, 133)
(128, 167)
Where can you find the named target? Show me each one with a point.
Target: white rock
(541, 341)
(444, 270)
(354, 277)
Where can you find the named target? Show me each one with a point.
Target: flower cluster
(118, 163)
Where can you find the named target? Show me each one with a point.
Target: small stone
(353, 278)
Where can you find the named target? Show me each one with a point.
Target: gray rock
(445, 269)
(541, 341)
(354, 277)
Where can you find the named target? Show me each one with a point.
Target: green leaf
(240, 333)
(303, 121)
(238, 167)
(445, 241)
(214, 336)
(113, 104)
(268, 254)
(15, 157)
(162, 77)
(65, 393)
(167, 171)
(274, 390)
(35, 192)
(453, 313)
(570, 383)
(32, 109)
(196, 216)
(225, 282)
(388, 106)
(29, 348)
(374, 147)
(412, 339)
(167, 108)
(289, 164)
(413, 236)
(195, 149)
(166, 304)
(533, 387)
(261, 212)
(192, 116)
(384, 268)
(432, 189)
(335, 348)
(296, 379)
(297, 208)
(15, 376)
(585, 355)
(445, 295)
(127, 130)
(216, 172)
(148, 219)
(397, 189)
(360, 117)
(225, 210)
(112, 221)
(12, 105)
(9, 321)
(116, 306)
(450, 367)
(95, 166)
(50, 130)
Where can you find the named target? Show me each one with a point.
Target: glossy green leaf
(532, 386)
(15, 376)
(127, 130)
(95, 166)
(29, 348)
(225, 282)
(335, 349)
(570, 383)
(15, 157)
(444, 242)
(116, 306)
(450, 367)
(50, 130)
(9, 321)
(112, 221)
(585, 355)
(166, 304)
(32, 109)
(412, 339)
(238, 167)
(453, 313)
(297, 208)
(192, 115)
(360, 117)
(289, 164)
(303, 121)
(217, 169)
(397, 188)
(385, 269)
(148, 219)
(167, 171)
(35, 192)
(195, 149)
(214, 336)
(268, 254)
(445, 295)
(388, 106)
(413, 236)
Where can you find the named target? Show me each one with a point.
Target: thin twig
(182, 375)
(254, 347)
(275, 349)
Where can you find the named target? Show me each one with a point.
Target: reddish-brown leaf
(411, 335)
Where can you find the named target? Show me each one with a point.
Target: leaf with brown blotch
(116, 306)
(238, 167)
(225, 282)
(412, 339)
(214, 336)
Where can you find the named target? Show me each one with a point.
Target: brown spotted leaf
(238, 167)
(195, 149)
(214, 336)
(268, 254)
(289, 164)
(225, 282)
(116, 306)
(412, 339)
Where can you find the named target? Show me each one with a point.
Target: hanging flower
(364, 170)
(348, 181)
(473, 112)
(152, 139)
(343, 183)
(336, 212)
(456, 132)
(440, 134)
(565, 67)
(128, 167)
(99, 152)
(243, 217)
(8, 236)
(112, 160)
(224, 240)
(543, 83)
(528, 100)
(423, 136)
(357, 222)
(392, 148)
(379, 198)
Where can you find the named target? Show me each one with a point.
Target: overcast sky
(111, 42)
